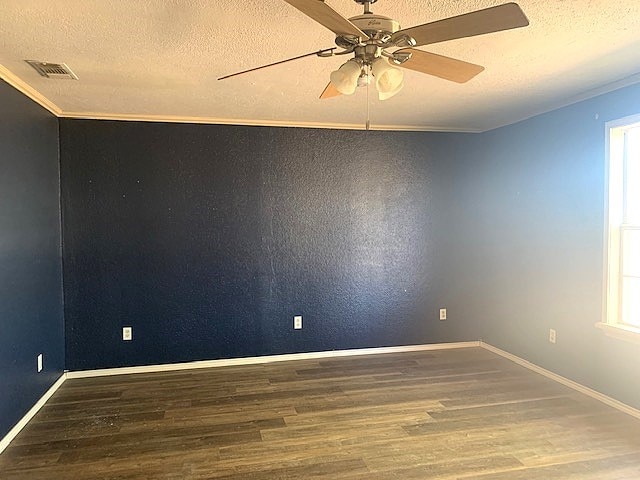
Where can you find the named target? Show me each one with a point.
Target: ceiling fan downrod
(366, 4)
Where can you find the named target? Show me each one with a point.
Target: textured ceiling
(146, 58)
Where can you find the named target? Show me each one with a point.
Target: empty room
(298, 239)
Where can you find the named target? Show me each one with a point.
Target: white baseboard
(4, 443)
(612, 402)
(266, 359)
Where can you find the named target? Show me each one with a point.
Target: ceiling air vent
(52, 70)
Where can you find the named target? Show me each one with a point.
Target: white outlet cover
(40, 363)
(552, 335)
(127, 333)
(297, 322)
(443, 314)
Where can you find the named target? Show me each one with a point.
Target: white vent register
(53, 70)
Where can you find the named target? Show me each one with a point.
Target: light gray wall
(527, 224)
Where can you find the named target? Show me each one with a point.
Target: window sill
(621, 332)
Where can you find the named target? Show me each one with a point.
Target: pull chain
(368, 124)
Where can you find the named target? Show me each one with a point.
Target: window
(622, 230)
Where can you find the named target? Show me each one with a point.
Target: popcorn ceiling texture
(162, 57)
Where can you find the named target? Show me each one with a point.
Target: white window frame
(611, 322)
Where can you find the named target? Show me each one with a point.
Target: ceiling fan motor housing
(377, 27)
(376, 24)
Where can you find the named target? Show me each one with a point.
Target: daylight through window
(623, 227)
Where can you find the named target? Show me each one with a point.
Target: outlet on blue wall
(208, 239)
(31, 320)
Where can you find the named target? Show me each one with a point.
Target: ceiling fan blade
(319, 53)
(488, 20)
(327, 16)
(440, 66)
(329, 91)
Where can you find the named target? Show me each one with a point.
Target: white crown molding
(4, 442)
(592, 93)
(27, 90)
(36, 96)
(572, 100)
(266, 359)
(129, 117)
(612, 402)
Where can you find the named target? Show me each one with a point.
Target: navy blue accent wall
(208, 239)
(528, 227)
(31, 317)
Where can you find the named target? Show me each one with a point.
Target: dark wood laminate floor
(445, 414)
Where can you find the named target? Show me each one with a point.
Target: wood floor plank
(447, 414)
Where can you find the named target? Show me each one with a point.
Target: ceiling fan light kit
(389, 79)
(345, 79)
(379, 46)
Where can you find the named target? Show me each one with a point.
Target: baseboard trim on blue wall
(266, 359)
(4, 442)
(612, 402)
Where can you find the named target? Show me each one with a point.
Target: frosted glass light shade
(387, 95)
(345, 79)
(388, 78)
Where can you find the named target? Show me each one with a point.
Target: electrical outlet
(40, 363)
(552, 335)
(443, 314)
(127, 333)
(297, 322)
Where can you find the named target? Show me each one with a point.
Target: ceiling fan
(379, 46)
